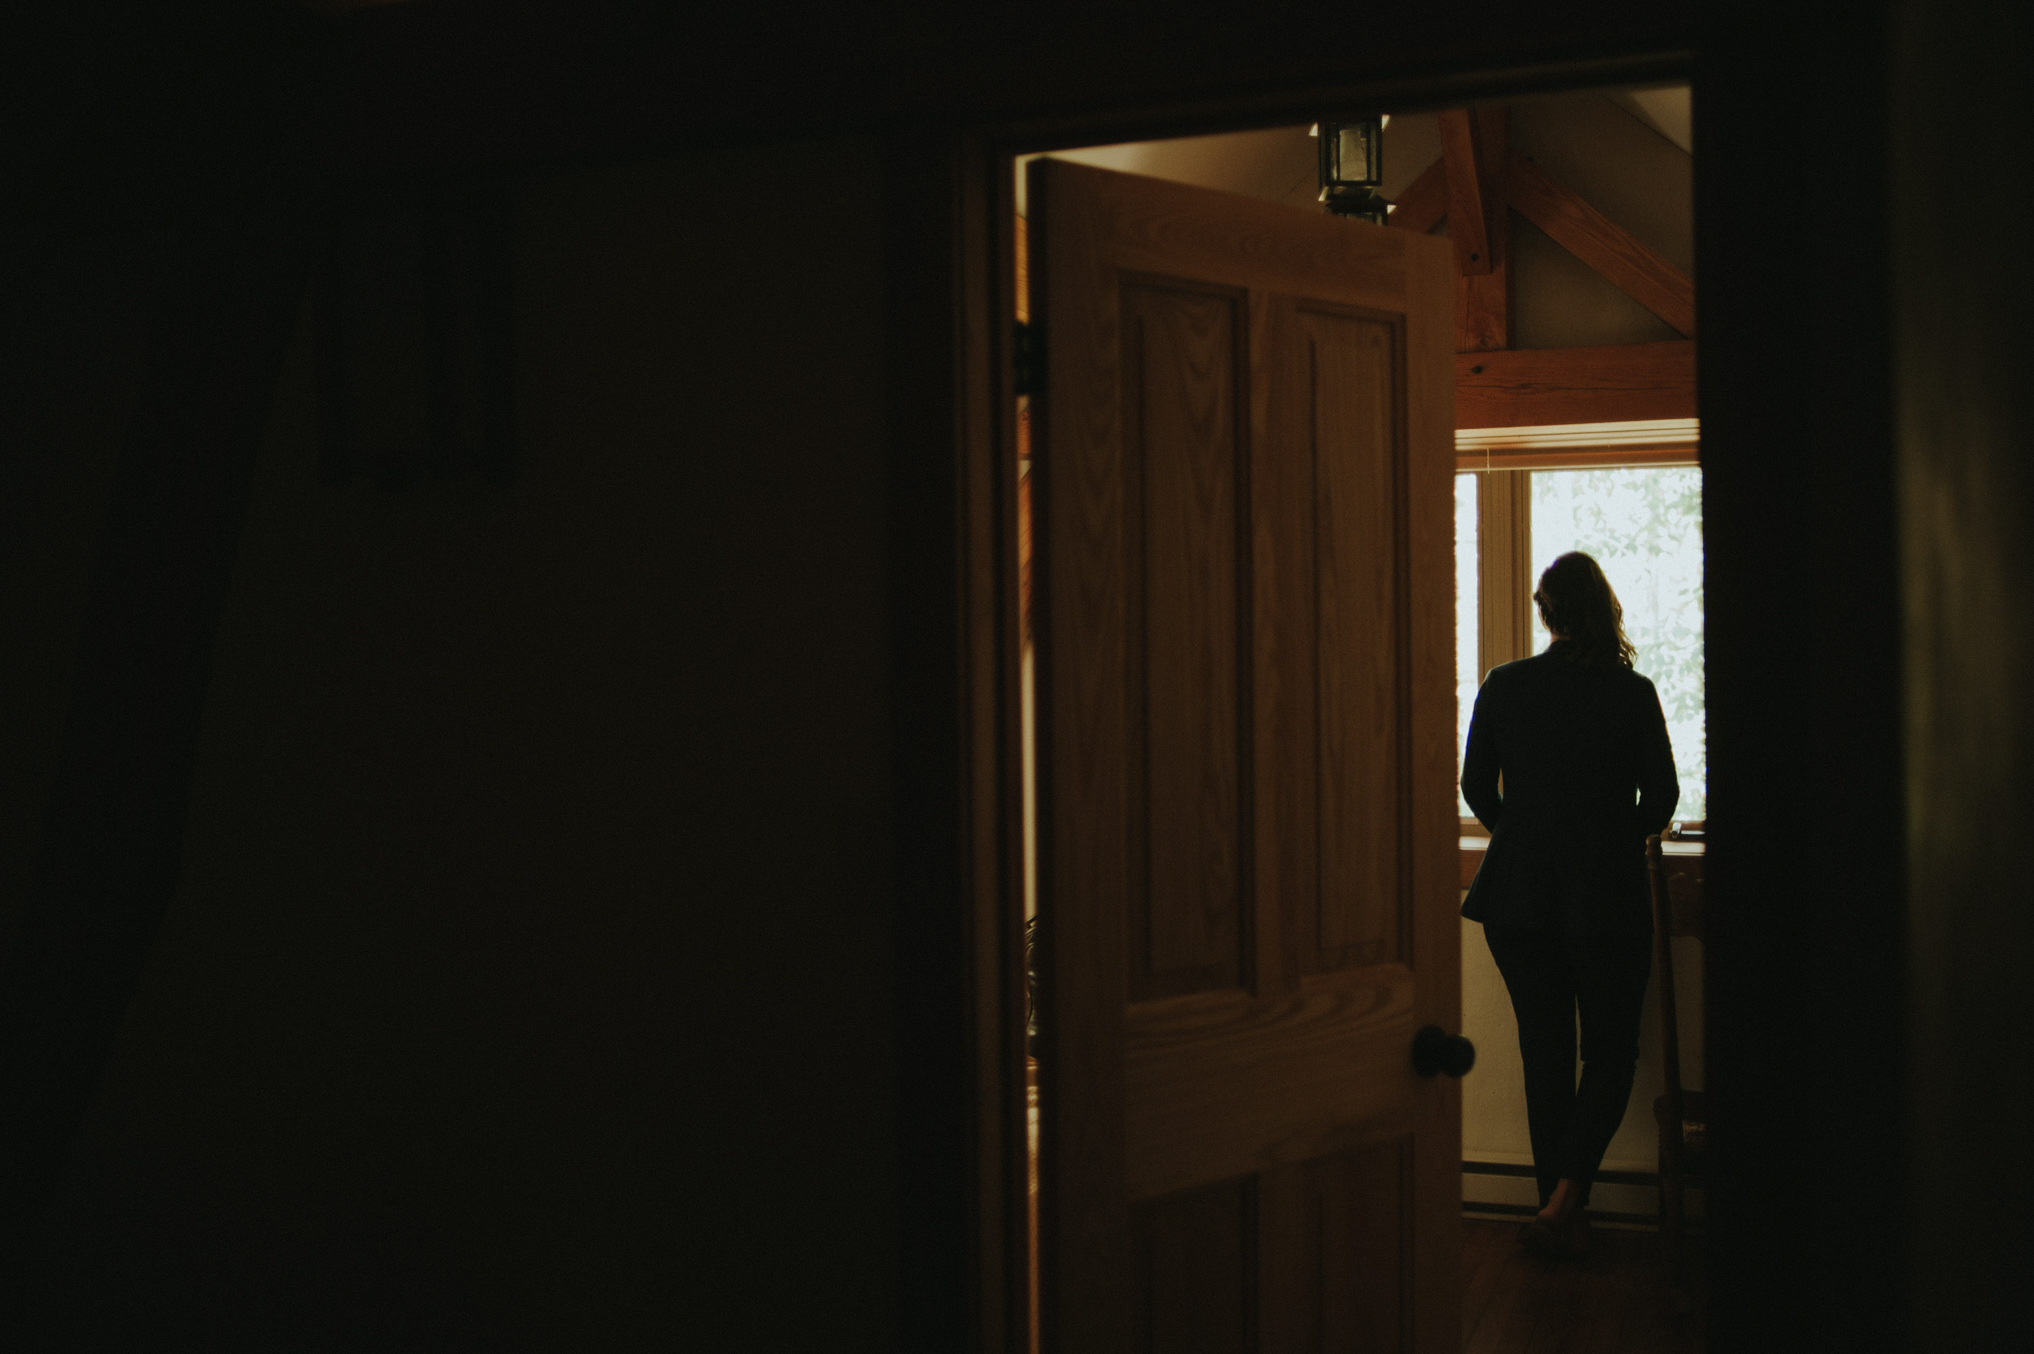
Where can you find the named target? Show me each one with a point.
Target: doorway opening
(1575, 429)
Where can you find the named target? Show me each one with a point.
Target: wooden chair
(1682, 1117)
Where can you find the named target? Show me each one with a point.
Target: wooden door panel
(1334, 1258)
(1182, 347)
(1352, 361)
(1243, 471)
(1195, 1262)
(1302, 1260)
(1286, 685)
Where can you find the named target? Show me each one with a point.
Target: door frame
(981, 320)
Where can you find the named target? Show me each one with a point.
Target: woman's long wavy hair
(1577, 603)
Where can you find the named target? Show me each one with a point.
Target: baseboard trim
(1648, 1179)
(1508, 1189)
(1641, 1222)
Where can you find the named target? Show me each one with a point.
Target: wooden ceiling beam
(1483, 295)
(1610, 249)
(1536, 387)
(1424, 203)
(1469, 200)
(1473, 187)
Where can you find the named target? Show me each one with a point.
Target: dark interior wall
(528, 974)
(1966, 477)
(562, 78)
(1804, 686)
(75, 358)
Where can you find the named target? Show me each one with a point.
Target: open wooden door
(1247, 876)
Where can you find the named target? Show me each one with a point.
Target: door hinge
(1029, 349)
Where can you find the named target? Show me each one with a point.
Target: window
(1642, 522)
(1468, 623)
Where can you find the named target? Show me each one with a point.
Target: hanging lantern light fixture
(1352, 166)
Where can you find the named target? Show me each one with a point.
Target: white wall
(1593, 142)
(1276, 164)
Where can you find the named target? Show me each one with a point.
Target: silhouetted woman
(1588, 775)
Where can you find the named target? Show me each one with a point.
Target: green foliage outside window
(1644, 526)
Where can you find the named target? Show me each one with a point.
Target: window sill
(1684, 860)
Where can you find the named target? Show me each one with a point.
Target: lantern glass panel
(1356, 154)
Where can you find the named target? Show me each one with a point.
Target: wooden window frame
(1503, 459)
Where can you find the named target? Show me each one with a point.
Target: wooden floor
(1618, 1301)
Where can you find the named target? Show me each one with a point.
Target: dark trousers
(1551, 977)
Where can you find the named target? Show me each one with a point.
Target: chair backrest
(1663, 934)
(1685, 915)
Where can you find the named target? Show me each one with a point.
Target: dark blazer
(1588, 776)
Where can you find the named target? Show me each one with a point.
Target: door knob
(1435, 1050)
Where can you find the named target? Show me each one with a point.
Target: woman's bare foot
(1562, 1227)
(1565, 1199)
